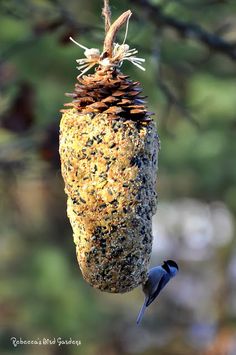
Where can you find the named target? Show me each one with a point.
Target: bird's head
(171, 267)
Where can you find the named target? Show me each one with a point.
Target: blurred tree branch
(187, 29)
(173, 100)
(60, 17)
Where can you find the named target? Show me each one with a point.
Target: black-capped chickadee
(158, 277)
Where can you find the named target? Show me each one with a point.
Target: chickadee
(158, 277)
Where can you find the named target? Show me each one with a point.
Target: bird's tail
(141, 312)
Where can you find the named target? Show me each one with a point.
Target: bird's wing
(142, 310)
(161, 284)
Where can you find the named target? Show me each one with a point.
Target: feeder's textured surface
(109, 165)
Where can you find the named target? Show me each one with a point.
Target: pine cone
(112, 93)
(108, 149)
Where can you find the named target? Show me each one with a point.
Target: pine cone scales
(110, 93)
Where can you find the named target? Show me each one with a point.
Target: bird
(158, 277)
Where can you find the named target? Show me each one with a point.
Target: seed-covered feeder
(108, 149)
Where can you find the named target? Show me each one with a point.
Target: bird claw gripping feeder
(108, 150)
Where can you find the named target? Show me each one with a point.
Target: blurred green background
(190, 80)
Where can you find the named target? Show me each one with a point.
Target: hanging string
(106, 12)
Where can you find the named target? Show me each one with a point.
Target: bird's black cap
(169, 263)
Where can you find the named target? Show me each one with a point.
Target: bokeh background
(190, 79)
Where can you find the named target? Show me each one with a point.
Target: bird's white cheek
(173, 271)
